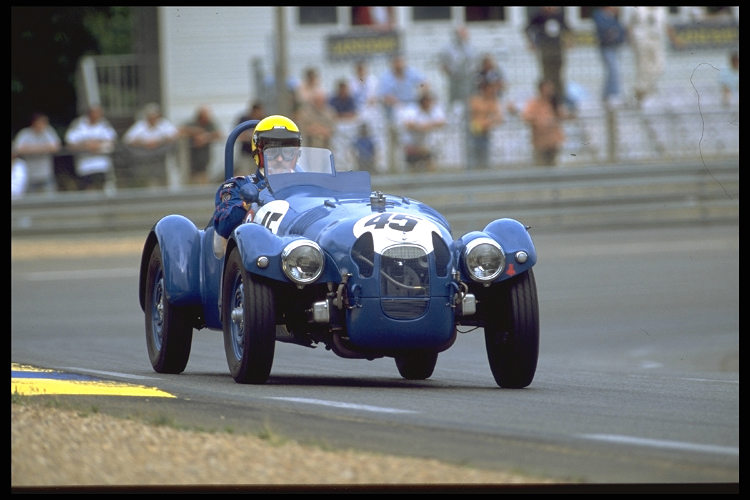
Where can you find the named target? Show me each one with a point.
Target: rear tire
(169, 330)
(512, 332)
(249, 322)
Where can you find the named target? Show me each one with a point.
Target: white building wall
(207, 52)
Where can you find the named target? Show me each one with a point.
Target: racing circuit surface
(637, 382)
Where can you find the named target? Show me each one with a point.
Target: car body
(325, 260)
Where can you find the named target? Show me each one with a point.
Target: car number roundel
(271, 214)
(392, 228)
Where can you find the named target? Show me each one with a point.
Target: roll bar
(229, 148)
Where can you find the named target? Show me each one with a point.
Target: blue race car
(325, 260)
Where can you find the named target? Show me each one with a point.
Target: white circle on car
(271, 214)
(392, 228)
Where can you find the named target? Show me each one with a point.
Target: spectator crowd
(341, 118)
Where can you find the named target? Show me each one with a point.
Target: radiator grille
(404, 281)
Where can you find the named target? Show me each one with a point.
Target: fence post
(611, 135)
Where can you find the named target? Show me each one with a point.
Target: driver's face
(281, 160)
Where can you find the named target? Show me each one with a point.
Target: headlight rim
(471, 245)
(286, 268)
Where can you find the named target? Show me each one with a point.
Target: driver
(275, 148)
(280, 159)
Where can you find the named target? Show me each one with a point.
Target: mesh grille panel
(404, 274)
(404, 308)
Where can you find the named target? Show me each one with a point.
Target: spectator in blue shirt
(399, 88)
(611, 34)
(400, 85)
(343, 102)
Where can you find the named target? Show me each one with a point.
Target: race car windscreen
(314, 167)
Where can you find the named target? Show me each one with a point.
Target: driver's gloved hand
(249, 193)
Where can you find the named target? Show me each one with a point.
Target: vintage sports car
(325, 260)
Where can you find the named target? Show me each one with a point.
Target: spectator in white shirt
(419, 122)
(92, 138)
(19, 176)
(364, 88)
(149, 140)
(37, 145)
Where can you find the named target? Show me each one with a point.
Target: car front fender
(255, 241)
(513, 237)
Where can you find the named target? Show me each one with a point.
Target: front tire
(416, 365)
(512, 333)
(249, 322)
(169, 331)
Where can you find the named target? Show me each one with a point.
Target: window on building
(374, 17)
(479, 14)
(431, 13)
(717, 11)
(317, 15)
(587, 12)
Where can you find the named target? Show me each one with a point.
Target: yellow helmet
(273, 131)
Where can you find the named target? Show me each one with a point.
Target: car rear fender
(180, 244)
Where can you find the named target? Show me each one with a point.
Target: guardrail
(549, 198)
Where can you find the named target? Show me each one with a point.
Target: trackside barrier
(543, 198)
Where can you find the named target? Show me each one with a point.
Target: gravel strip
(55, 447)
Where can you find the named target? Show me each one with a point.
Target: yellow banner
(352, 46)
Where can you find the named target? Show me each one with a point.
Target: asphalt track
(638, 377)
(31, 381)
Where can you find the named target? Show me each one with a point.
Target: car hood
(336, 219)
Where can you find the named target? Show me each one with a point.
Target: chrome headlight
(302, 261)
(484, 259)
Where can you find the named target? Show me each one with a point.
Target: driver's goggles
(287, 153)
